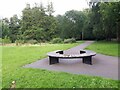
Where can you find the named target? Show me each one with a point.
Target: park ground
(14, 57)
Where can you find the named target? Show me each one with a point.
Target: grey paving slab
(103, 66)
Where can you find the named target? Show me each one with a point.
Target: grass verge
(105, 47)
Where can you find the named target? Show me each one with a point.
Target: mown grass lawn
(105, 47)
(14, 57)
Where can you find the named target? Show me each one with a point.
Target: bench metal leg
(53, 60)
(87, 60)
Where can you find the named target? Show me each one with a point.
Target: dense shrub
(71, 40)
(56, 40)
(0, 40)
(6, 40)
(32, 42)
(19, 42)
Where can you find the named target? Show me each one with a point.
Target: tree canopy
(100, 22)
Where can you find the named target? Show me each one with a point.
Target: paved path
(103, 66)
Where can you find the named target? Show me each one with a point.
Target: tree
(36, 24)
(116, 11)
(5, 28)
(50, 9)
(0, 28)
(101, 21)
(108, 20)
(71, 24)
(88, 25)
(105, 19)
(98, 30)
(14, 28)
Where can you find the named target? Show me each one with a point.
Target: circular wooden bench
(85, 54)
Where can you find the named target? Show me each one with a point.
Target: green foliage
(0, 28)
(36, 24)
(14, 28)
(71, 24)
(6, 40)
(0, 40)
(71, 40)
(56, 40)
(105, 19)
(4, 27)
(50, 10)
(98, 32)
(99, 22)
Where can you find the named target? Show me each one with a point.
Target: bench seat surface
(86, 54)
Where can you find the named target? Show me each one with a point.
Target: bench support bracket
(53, 60)
(87, 60)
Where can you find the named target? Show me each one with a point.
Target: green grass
(105, 47)
(14, 57)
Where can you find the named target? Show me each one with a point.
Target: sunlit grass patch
(105, 47)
